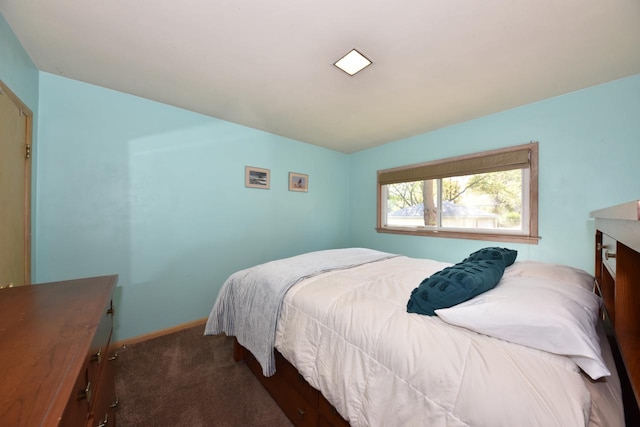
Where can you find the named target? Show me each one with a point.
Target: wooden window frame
(472, 160)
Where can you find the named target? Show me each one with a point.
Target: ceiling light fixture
(352, 62)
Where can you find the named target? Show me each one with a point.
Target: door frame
(27, 177)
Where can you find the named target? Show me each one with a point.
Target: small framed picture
(256, 177)
(298, 182)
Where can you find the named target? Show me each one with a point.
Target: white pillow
(544, 270)
(549, 315)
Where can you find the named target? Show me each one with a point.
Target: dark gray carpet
(187, 379)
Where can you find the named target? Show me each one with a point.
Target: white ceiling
(268, 64)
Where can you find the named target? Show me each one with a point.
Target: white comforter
(248, 305)
(381, 366)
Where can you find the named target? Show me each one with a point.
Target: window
(485, 196)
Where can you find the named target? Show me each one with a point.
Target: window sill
(496, 237)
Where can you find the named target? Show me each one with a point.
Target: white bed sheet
(378, 365)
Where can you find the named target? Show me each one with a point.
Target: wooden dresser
(55, 351)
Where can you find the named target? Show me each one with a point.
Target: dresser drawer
(298, 410)
(301, 412)
(103, 411)
(99, 350)
(77, 409)
(328, 414)
(297, 381)
(101, 371)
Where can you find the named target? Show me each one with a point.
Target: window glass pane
(404, 204)
(432, 203)
(483, 201)
(488, 201)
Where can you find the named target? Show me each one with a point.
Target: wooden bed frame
(303, 404)
(617, 273)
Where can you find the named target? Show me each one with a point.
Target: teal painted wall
(156, 194)
(16, 68)
(589, 155)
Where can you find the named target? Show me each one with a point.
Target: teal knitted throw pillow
(494, 253)
(454, 285)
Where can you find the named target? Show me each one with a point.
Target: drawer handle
(608, 255)
(114, 404)
(301, 412)
(114, 357)
(85, 393)
(97, 357)
(105, 421)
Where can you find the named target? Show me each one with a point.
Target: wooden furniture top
(621, 223)
(625, 211)
(45, 336)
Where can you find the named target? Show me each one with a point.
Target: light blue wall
(156, 194)
(16, 68)
(589, 158)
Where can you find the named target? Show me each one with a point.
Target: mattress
(349, 335)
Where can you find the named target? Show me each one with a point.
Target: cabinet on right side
(617, 273)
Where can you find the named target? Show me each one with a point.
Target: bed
(330, 336)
